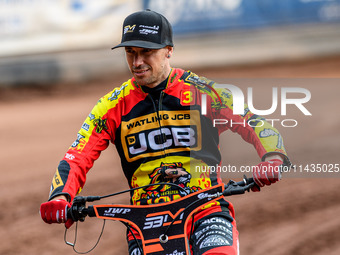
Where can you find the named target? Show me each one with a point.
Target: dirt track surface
(296, 216)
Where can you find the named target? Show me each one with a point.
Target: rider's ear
(169, 51)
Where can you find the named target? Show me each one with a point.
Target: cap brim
(140, 44)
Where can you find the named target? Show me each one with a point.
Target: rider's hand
(55, 211)
(266, 173)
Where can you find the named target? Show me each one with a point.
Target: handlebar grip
(69, 213)
(77, 213)
(72, 213)
(250, 180)
(78, 210)
(236, 188)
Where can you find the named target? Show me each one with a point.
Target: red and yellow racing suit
(152, 136)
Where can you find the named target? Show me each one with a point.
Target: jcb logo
(156, 140)
(164, 219)
(150, 135)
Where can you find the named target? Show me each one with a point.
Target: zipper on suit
(158, 110)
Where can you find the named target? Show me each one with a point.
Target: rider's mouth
(140, 72)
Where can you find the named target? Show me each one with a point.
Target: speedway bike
(162, 227)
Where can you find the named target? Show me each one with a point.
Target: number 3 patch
(187, 97)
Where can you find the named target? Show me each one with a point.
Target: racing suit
(153, 135)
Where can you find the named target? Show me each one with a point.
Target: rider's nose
(138, 60)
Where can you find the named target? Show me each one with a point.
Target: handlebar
(174, 214)
(78, 211)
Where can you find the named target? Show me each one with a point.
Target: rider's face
(148, 66)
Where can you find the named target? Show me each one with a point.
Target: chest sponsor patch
(166, 132)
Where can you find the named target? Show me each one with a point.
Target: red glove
(266, 173)
(55, 211)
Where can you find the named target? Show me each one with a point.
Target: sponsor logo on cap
(129, 29)
(144, 29)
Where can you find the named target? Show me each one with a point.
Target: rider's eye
(147, 50)
(128, 50)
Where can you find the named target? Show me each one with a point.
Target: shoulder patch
(112, 98)
(194, 79)
(116, 92)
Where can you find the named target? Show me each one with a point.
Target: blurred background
(56, 62)
(46, 42)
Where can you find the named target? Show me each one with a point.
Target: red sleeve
(252, 128)
(92, 139)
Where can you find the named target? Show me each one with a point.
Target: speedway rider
(155, 121)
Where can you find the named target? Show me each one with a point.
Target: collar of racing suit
(156, 91)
